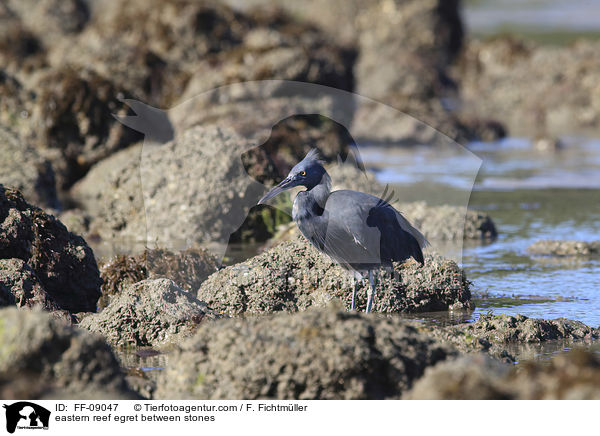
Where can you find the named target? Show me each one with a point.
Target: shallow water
(554, 21)
(531, 195)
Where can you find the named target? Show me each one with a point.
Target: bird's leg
(354, 291)
(371, 292)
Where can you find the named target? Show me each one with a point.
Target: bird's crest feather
(313, 156)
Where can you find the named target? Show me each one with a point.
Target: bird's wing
(364, 226)
(392, 216)
(350, 242)
(348, 238)
(401, 240)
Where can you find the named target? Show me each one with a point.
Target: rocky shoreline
(275, 325)
(186, 305)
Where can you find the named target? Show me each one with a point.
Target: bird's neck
(311, 203)
(320, 192)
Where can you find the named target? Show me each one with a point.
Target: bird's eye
(302, 173)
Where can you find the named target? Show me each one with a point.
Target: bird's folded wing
(350, 240)
(400, 239)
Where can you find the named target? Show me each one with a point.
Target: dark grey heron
(359, 231)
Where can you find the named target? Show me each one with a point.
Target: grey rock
(188, 269)
(409, 123)
(50, 19)
(167, 42)
(502, 336)
(450, 223)
(191, 190)
(20, 286)
(503, 329)
(58, 357)
(111, 193)
(199, 188)
(21, 51)
(76, 220)
(406, 50)
(286, 126)
(149, 313)
(569, 376)
(536, 90)
(470, 377)
(293, 276)
(565, 248)
(73, 119)
(317, 354)
(23, 168)
(420, 25)
(15, 105)
(417, 40)
(62, 262)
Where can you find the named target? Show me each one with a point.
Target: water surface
(531, 195)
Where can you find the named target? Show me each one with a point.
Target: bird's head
(308, 173)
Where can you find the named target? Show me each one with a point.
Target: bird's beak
(285, 184)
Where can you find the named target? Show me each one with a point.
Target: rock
(293, 276)
(188, 269)
(138, 69)
(442, 223)
(73, 117)
(22, 168)
(409, 123)
(155, 47)
(283, 117)
(317, 354)
(15, 105)
(176, 30)
(55, 357)
(411, 61)
(565, 248)
(149, 313)
(474, 376)
(254, 108)
(20, 286)
(197, 190)
(198, 186)
(50, 19)
(493, 332)
(63, 263)
(275, 46)
(76, 220)
(535, 90)
(21, 51)
(119, 272)
(293, 137)
(229, 47)
(548, 144)
(568, 376)
(497, 335)
(406, 49)
(427, 25)
(111, 193)
(449, 223)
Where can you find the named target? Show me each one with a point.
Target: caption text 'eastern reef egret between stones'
(359, 231)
